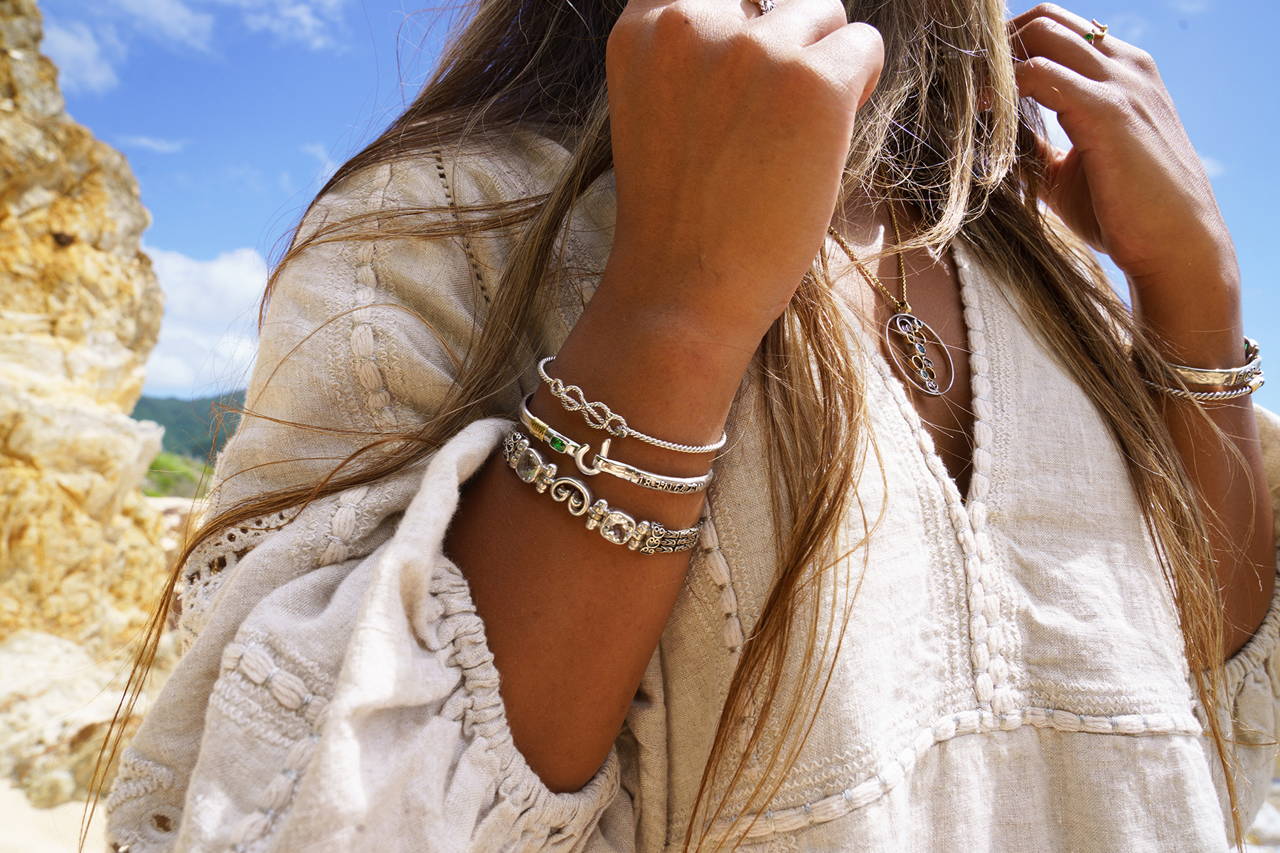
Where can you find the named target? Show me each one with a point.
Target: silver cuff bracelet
(562, 443)
(1228, 377)
(616, 526)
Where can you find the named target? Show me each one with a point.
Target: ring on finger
(1097, 34)
(765, 5)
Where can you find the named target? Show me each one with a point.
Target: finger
(1054, 40)
(801, 22)
(832, 54)
(1075, 98)
(1110, 45)
(1076, 23)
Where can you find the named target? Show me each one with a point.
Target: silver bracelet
(562, 443)
(1229, 377)
(1210, 396)
(600, 416)
(616, 526)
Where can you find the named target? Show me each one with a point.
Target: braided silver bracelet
(1210, 396)
(562, 443)
(616, 526)
(600, 416)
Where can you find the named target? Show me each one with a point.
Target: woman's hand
(1132, 184)
(730, 131)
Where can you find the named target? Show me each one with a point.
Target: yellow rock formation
(81, 551)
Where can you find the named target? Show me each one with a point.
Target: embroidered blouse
(1011, 677)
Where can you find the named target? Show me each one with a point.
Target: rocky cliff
(81, 552)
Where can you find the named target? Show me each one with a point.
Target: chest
(935, 295)
(1021, 591)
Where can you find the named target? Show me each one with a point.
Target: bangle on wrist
(616, 526)
(600, 416)
(1215, 384)
(562, 443)
(1226, 377)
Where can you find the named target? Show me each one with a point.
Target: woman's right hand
(730, 133)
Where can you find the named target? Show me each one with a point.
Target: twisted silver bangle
(600, 416)
(1210, 396)
(562, 443)
(616, 526)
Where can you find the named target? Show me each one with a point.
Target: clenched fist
(730, 133)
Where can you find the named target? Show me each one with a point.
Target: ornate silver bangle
(1227, 377)
(562, 443)
(616, 526)
(1211, 396)
(599, 416)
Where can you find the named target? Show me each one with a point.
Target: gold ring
(1097, 34)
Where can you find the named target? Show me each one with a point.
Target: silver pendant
(910, 353)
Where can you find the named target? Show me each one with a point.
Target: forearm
(1205, 329)
(572, 619)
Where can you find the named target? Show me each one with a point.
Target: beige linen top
(1011, 678)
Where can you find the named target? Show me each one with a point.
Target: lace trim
(441, 172)
(137, 778)
(209, 563)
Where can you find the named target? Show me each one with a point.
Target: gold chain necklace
(915, 336)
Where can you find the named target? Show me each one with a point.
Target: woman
(965, 574)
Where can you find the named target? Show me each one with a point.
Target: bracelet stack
(1217, 384)
(615, 525)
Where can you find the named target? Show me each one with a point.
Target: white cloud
(309, 22)
(171, 20)
(327, 164)
(207, 339)
(1128, 26)
(89, 50)
(85, 63)
(153, 143)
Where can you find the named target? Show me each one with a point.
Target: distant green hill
(188, 424)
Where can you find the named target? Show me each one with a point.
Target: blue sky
(232, 112)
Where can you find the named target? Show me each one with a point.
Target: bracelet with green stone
(562, 443)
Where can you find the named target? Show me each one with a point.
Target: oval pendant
(911, 354)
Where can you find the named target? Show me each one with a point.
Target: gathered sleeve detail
(338, 692)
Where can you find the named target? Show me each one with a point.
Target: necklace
(915, 337)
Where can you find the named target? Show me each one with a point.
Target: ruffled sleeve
(1252, 714)
(338, 692)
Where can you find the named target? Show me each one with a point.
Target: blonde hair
(923, 140)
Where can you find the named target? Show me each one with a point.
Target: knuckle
(1045, 10)
(1142, 60)
(832, 15)
(1036, 65)
(673, 21)
(1041, 26)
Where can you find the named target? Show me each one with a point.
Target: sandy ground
(25, 829)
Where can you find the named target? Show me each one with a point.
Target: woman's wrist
(1193, 310)
(667, 373)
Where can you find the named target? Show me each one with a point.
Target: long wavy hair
(944, 134)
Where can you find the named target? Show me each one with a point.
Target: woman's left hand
(1132, 184)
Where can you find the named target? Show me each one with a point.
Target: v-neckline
(967, 511)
